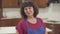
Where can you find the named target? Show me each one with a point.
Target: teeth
(28, 13)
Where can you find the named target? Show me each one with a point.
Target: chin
(29, 15)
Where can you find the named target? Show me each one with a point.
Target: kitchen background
(52, 12)
(49, 11)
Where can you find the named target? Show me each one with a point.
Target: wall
(52, 12)
(11, 13)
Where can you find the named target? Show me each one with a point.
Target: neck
(32, 17)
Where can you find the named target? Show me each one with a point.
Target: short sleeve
(19, 27)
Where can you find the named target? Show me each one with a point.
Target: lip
(28, 13)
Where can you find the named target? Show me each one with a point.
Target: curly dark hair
(29, 4)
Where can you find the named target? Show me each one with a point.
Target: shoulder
(22, 21)
(41, 21)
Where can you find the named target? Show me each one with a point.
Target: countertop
(53, 22)
(13, 30)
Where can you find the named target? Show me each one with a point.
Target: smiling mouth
(28, 13)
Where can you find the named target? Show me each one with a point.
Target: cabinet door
(1, 13)
(0, 9)
(0, 3)
(10, 3)
(19, 3)
(40, 3)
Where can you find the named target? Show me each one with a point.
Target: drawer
(51, 26)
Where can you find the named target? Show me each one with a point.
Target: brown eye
(25, 9)
(29, 8)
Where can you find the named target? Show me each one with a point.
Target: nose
(28, 10)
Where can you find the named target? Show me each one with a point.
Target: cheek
(32, 11)
(25, 11)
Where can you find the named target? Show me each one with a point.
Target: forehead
(28, 7)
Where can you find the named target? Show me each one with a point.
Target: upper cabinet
(17, 3)
(9, 3)
(0, 9)
(0, 3)
(40, 3)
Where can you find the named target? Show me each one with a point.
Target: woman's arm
(17, 32)
(46, 32)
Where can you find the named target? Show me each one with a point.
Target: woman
(30, 24)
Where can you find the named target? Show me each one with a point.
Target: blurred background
(49, 11)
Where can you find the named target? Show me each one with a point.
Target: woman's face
(29, 11)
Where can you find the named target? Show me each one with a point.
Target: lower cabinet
(54, 27)
(9, 22)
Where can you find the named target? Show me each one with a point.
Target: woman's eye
(29, 8)
(25, 9)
